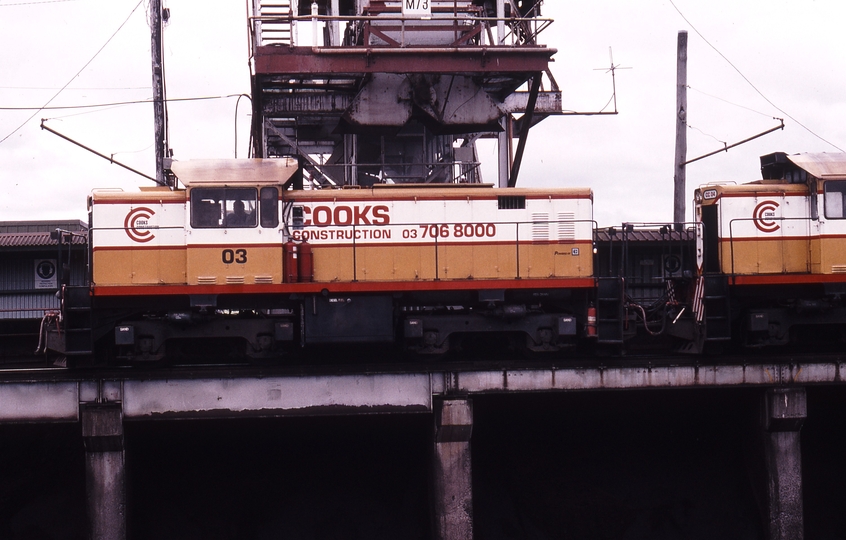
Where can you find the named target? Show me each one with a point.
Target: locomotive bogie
(150, 340)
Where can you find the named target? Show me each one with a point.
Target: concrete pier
(785, 410)
(452, 487)
(105, 477)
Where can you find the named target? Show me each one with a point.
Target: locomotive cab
(775, 247)
(232, 225)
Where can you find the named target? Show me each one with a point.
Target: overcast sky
(791, 51)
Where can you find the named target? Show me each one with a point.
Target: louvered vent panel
(540, 226)
(566, 226)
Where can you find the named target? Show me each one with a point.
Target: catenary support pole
(452, 487)
(785, 410)
(159, 119)
(105, 485)
(681, 130)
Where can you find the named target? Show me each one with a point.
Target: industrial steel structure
(371, 91)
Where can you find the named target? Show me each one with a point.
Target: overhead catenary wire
(745, 78)
(116, 103)
(729, 102)
(77, 73)
(35, 3)
(77, 88)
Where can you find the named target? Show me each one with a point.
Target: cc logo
(137, 224)
(763, 216)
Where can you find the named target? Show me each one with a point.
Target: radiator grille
(540, 226)
(566, 226)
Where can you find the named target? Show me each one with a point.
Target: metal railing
(393, 30)
(366, 174)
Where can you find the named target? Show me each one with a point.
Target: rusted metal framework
(372, 91)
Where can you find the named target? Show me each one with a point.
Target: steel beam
(445, 60)
(305, 102)
(548, 102)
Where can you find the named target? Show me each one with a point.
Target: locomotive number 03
(230, 256)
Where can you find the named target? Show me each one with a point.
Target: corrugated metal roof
(37, 233)
(35, 239)
(10, 227)
(644, 235)
(822, 166)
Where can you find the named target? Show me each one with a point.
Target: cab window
(835, 195)
(269, 207)
(223, 208)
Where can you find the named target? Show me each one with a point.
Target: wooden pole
(158, 89)
(681, 130)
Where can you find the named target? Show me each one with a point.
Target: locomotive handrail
(780, 218)
(156, 228)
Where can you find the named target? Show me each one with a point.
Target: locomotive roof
(162, 194)
(439, 192)
(234, 171)
(824, 166)
(771, 186)
(146, 194)
(711, 193)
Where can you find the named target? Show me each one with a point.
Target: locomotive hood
(823, 166)
(234, 171)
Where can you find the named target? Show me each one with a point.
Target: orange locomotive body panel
(138, 238)
(422, 234)
(190, 237)
(774, 227)
(762, 228)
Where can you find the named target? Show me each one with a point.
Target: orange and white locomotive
(772, 253)
(237, 261)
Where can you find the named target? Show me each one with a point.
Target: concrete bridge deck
(101, 402)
